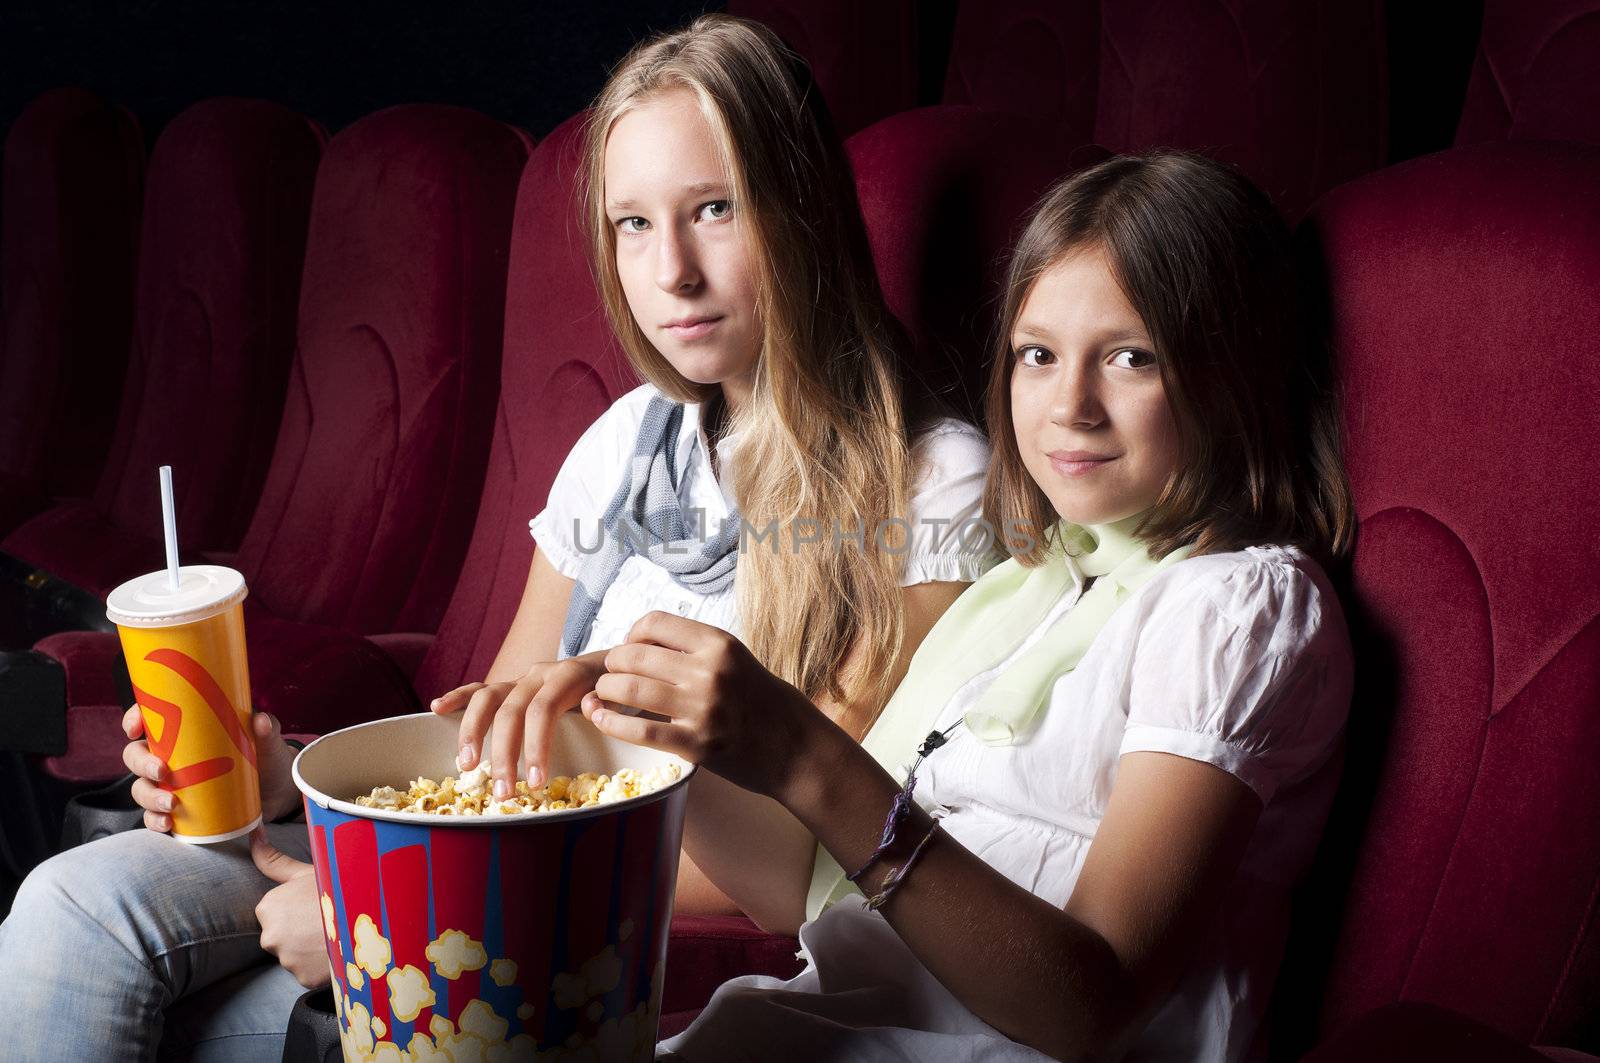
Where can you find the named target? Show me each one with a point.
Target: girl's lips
(1078, 468)
(693, 330)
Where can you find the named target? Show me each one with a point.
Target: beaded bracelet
(895, 877)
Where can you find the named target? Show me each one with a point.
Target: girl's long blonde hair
(825, 436)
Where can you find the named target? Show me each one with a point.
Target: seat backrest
(227, 202)
(944, 192)
(1534, 75)
(561, 369)
(368, 503)
(863, 57)
(1294, 94)
(1037, 57)
(1461, 865)
(69, 227)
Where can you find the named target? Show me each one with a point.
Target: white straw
(169, 522)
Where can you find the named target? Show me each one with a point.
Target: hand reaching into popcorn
(524, 716)
(718, 706)
(273, 759)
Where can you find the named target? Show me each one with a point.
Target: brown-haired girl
(1073, 831)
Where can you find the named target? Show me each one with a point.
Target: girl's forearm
(751, 848)
(1016, 961)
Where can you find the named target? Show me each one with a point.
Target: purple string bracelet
(900, 808)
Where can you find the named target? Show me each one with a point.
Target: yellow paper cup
(186, 656)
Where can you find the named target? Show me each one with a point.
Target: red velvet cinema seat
(69, 226)
(944, 191)
(226, 210)
(1534, 76)
(863, 57)
(1461, 866)
(1039, 58)
(1294, 94)
(367, 508)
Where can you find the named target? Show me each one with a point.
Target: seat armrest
(405, 648)
(33, 703)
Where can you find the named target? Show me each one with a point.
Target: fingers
(647, 659)
(266, 726)
(147, 795)
(563, 688)
(638, 692)
(157, 804)
(674, 632)
(133, 722)
(507, 745)
(637, 729)
(445, 704)
(136, 756)
(481, 707)
(277, 866)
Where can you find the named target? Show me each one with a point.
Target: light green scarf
(985, 626)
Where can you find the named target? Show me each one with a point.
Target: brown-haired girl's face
(684, 265)
(1087, 403)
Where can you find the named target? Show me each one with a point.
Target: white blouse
(950, 457)
(1240, 660)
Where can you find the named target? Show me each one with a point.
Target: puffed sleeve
(948, 542)
(588, 479)
(1247, 667)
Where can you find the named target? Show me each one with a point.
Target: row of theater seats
(426, 401)
(1296, 94)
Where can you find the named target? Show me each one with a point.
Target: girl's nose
(676, 267)
(1076, 403)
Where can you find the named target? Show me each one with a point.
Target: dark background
(532, 63)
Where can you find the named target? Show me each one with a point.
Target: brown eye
(1034, 355)
(1133, 358)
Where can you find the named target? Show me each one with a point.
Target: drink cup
(186, 656)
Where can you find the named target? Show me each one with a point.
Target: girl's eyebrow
(698, 188)
(1040, 332)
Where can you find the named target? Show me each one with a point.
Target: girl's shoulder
(1275, 594)
(612, 435)
(948, 448)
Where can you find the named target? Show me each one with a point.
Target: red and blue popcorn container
(490, 938)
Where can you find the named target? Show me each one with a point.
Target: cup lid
(149, 600)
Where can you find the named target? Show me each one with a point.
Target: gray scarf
(646, 517)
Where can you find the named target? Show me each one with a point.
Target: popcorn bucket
(490, 937)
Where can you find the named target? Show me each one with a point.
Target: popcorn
(353, 975)
(441, 1027)
(379, 1027)
(599, 975)
(423, 1051)
(372, 948)
(504, 972)
(388, 1052)
(330, 925)
(409, 992)
(525, 1012)
(470, 795)
(360, 1033)
(479, 1020)
(453, 952)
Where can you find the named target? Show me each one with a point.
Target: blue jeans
(139, 947)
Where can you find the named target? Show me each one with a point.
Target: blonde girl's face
(684, 265)
(1090, 412)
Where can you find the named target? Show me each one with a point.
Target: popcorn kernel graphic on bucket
(453, 952)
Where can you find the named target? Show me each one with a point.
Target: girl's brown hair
(1205, 259)
(825, 433)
